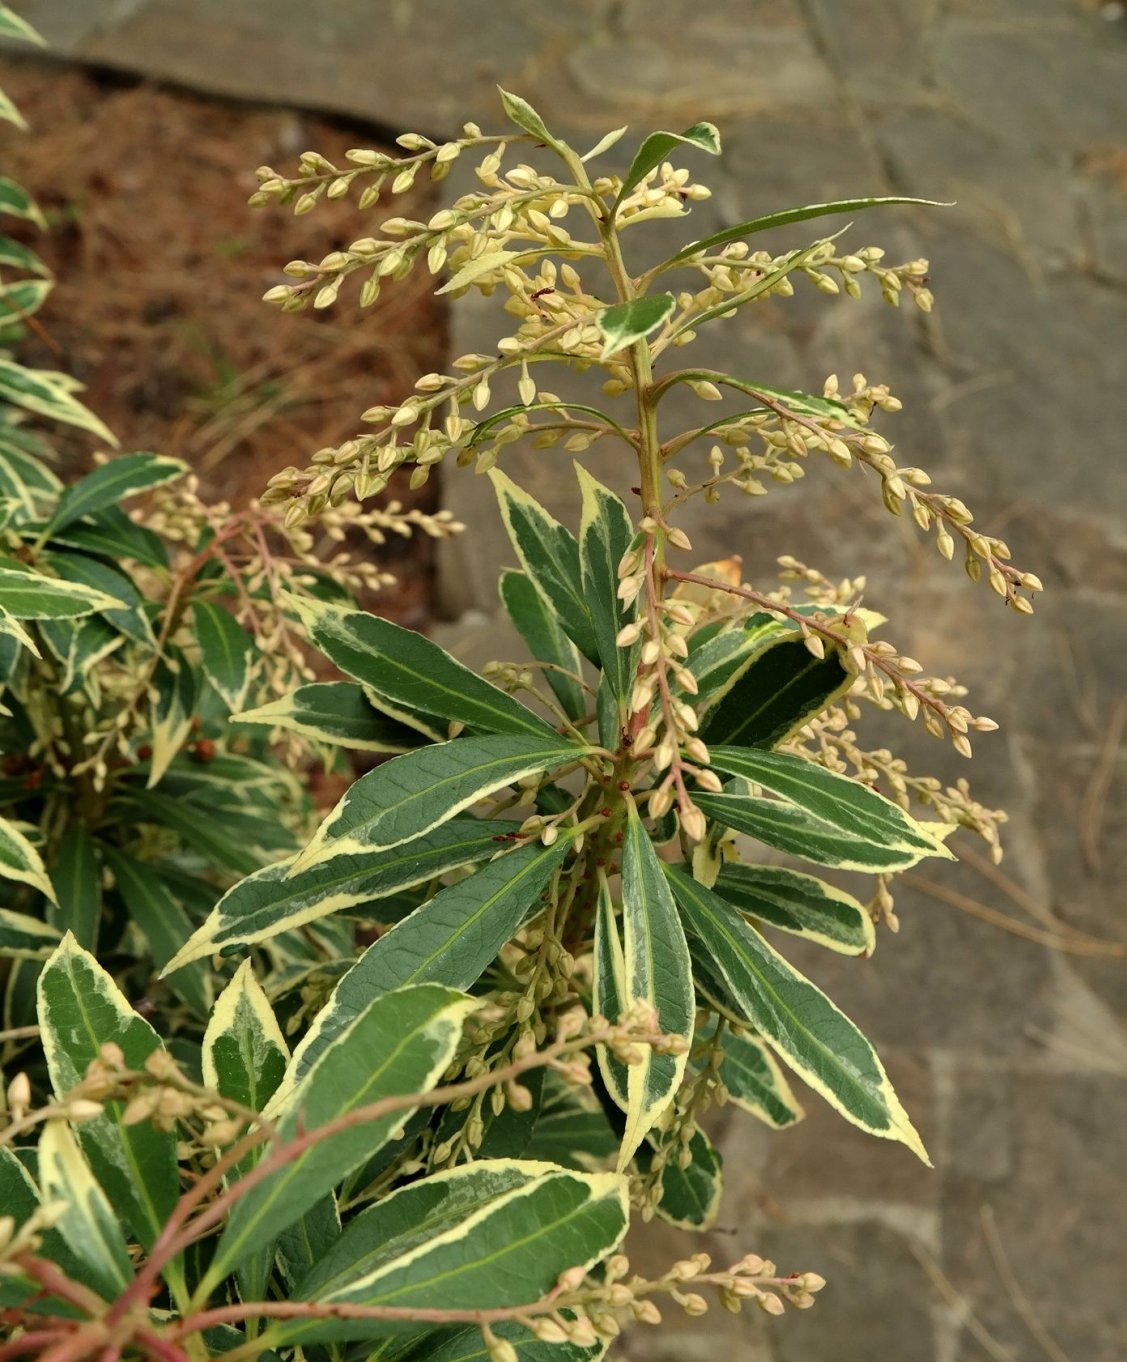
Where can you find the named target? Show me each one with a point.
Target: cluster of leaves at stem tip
(404, 1152)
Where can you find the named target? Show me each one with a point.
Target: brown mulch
(161, 267)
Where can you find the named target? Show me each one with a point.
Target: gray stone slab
(876, 1307)
(1047, 87)
(1061, 1203)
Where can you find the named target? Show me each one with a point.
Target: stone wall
(1011, 1057)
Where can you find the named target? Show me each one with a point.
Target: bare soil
(161, 267)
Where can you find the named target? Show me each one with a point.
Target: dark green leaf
(80, 1010)
(782, 219)
(335, 712)
(625, 324)
(76, 875)
(25, 938)
(163, 923)
(605, 534)
(657, 971)
(547, 642)
(493, 1235)
(778, 690)
(800, 904)
(411, 670)
(226, 651)
(656, 148)
(88, 1226)
(407, 796)
(112, 483)
(451, 939)
(549, 555)
(755, 1083)
(818, 814)
(401, 1044)
(804, 1028)
(272, 901)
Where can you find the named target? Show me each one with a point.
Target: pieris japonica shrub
(573, 877)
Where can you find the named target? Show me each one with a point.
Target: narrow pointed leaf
(20, 1198)
(244, 1060)
(129, 618)
(497, 1234)
(656, 971)
(409, 669)
(605, 534)
(401, 1044)
(782, 219)
(25, 938)
(549, 555)
(12, 26)
(690, 1197)
(111, 483)
(780, 689)
(798, 1021)
(656, 148)
(754, 1081)
(477, 267)
(451, 939)
(817, 814)
(546, 641)
(272, 901)
(80, 1010)
(800, 904)
(163, 923)
(20, 861)
(76, 876)
(244, 1052)
(334, 712)
(520, 112)
(409, 795)
(226, 651)
(31, 596)
(18, 203)
(624, 324)
(610, 990)
(89, 1226)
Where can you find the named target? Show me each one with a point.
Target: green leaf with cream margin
(521, 112)
(111, 483)
(271, 901)
(226, 651)
(605, 534)
(546, 641)
(407, 796)
(80, 1010)
(818, 814)
(411, 670)
(244, 1052)
(450, 939)
(549, 554)
(625, 324)
(28, 595)
(399, 1046)
(656, 972)
(755, 1083)
(337, 713)
(244, 1059)
(23, 937)
(657, 146)
(800, 904)
(491, 1236)
(89, 1226)
(798, 1021)
(20, 861)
